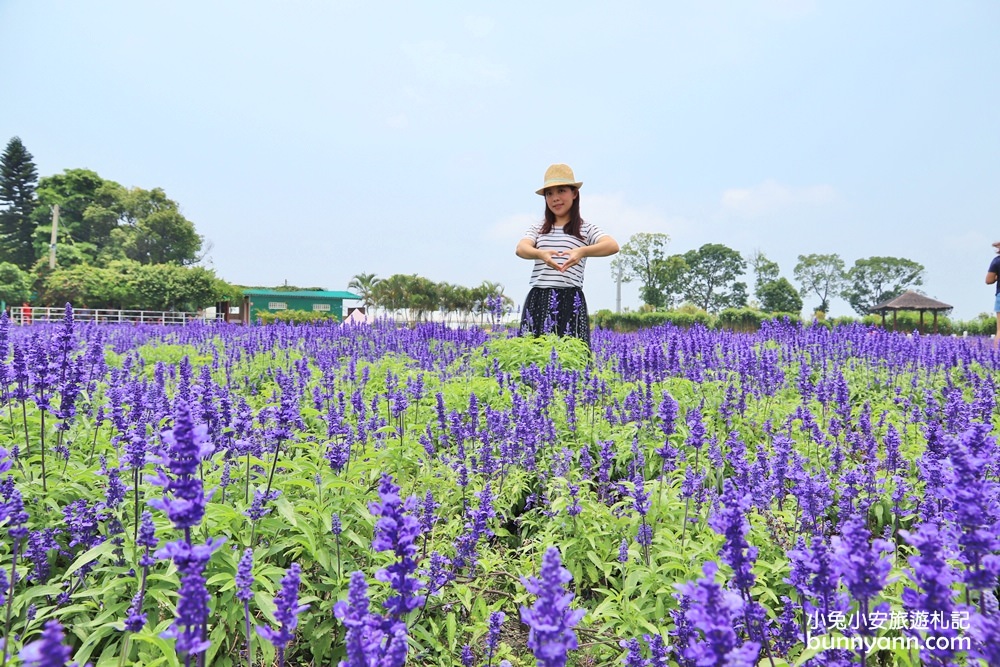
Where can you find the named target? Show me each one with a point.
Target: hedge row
(749, 319)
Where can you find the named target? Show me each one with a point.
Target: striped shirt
(543, 275)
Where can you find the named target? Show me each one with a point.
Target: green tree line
(116, 247)
(416, 297)
(709, 278)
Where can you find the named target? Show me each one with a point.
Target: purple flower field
(375, 495)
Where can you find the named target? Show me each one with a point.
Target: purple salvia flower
(48, 650)
(187, 444)
(371, 640)
(244, 576)
(712, 612)
(147, 538)
(257, 511)
(696, 428)
(135, 620)
(493, 635)
(860, 562)
(397, 530)
(633, 656)
(188, 628)
(623, 551)
(934, 576)
(287, 613)
(550, 620)
(467, 658)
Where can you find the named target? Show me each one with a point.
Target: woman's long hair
(575, 223)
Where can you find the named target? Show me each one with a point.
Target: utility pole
(618, 291)
(52, 244)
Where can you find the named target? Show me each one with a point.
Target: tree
(876, 279)
(129, 284)
(670, 277)
(764, 271)
(779, 296)
(18, 180)
(81, 235)
(104, 221)
(709, 281)
(639, 259)
(151, 229)
(15, 284)
(362, 284)
(822, 275)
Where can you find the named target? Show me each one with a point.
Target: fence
(35, 314)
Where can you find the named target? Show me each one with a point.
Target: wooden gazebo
(913, 301)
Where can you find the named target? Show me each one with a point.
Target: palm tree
(362, 284)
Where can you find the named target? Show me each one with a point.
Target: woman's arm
(604, 247)
(991, 278)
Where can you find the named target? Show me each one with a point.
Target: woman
(991, 277)
(559, 247)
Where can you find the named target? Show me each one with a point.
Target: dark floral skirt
(560, 310)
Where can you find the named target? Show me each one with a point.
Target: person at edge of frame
(991, 278)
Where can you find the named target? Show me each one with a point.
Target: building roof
(305, 294)
(911, 300)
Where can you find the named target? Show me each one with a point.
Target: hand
(550, 258)
(573, 258)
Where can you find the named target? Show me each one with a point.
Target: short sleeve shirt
(543, 275)
(995, 268)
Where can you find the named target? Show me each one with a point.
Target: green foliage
(15, 284)
(417, 296)
(876, 279)
(512, 354)
(100, 220)
(18, 179)
(293, 316)
(909, 321)
(750, 319)
(633, 321)
(779, 296)
(640, 259)
(363, 284)
(822, 275)
(131, 285)
(710, 281)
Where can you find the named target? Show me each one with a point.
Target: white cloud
(771, 196)
(434, 61)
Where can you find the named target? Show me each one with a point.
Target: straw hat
(558, 174)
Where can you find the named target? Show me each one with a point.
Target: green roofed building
(316, 301)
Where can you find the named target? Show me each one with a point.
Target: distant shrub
(633, 321)
(297, 317)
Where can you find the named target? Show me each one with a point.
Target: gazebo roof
(911, 300)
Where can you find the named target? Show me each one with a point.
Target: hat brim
(556, 184)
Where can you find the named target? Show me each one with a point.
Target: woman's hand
(526, 250)
(572, 257)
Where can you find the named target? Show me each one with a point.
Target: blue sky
(312, 140)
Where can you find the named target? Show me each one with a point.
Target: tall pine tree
(18, 178)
